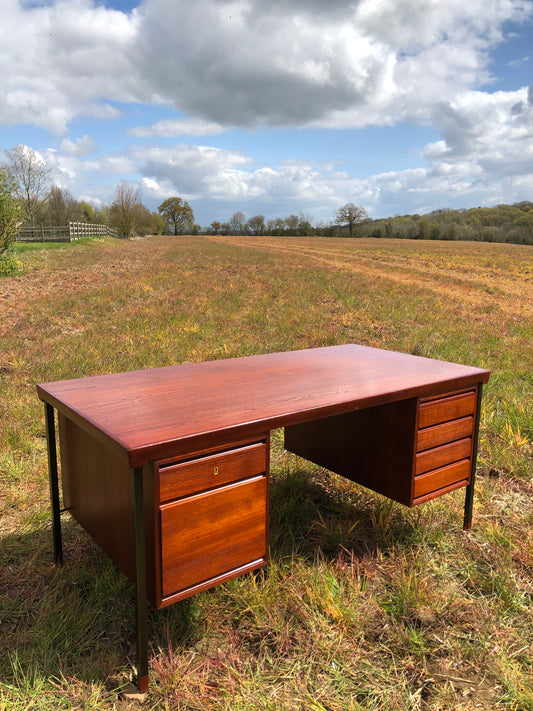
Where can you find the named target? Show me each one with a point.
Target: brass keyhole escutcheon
(215, 472)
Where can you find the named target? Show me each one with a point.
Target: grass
(364, 604)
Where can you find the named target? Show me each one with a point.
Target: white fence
(63, 233)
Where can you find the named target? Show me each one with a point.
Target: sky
(275, 107)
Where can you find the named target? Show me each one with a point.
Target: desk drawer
(441, 456)
(456, 473)
(213, 533)
(442, 434)
(444, 409)
(204, 473)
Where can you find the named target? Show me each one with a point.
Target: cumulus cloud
(244, 63)
(63, 60)
(179, 127)
(79, 146)
(223, 64)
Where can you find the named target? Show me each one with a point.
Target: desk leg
(469, 498)
(140, 580)
(54, 483)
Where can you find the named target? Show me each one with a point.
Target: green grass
(365, 604)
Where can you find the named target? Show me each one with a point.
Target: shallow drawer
(198, 475)
(210, 534)
(440, 456)
(443, 409)
(441, 478)
(442, 434)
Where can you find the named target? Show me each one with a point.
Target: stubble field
(365, 604)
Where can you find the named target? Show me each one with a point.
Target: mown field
(365, 604)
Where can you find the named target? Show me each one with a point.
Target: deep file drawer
(211, 534)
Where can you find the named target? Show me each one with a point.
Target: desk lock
(215, 471)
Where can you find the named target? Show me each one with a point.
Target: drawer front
(442, 434)
(214, 470)
(441, 456)
(435, 412)
(210, 534)
(441, 478)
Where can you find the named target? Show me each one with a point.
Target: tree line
(27, 196)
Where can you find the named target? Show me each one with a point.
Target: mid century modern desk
(168, 468)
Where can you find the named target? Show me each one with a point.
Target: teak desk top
(155, 413)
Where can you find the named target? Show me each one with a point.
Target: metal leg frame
(141, 601)
(469, 498)
(54, 483)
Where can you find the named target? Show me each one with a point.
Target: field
(365, 604)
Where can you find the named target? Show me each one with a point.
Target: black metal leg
(469, 498)
(140, 580)
(54, 483)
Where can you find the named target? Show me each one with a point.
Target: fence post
(42, 232)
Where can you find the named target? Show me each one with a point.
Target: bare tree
(31, 175)
(237, 223)
(256, 225)
(350, 215)
(125, 209)
(62, 207)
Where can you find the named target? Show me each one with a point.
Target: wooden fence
(63, 233)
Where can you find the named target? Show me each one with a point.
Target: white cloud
(59, 61)
(244, 63)
(179, 127)
(304, 63)
(80, 146)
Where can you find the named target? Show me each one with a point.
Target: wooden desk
(168, 469)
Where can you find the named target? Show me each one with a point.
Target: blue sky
(275, 107)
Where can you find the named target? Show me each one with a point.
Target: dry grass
(365, 604)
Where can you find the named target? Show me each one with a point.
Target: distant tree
(31, 176)
(62, 207)
(214, 228)
(292, 222)
(178, 215)
(237, 223)
(88, 212)
(125, 210)
(350, 215)
(10, 211)
(256, 225)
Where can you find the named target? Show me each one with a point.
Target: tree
(62, 207)
(350, 215)
(10, 211)
(125, 210)
(31, 176)
(237, 223)
(256, 225)
(177, 214)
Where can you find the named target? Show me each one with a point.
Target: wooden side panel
(207, 535)
(373, 447)
(97, 492)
